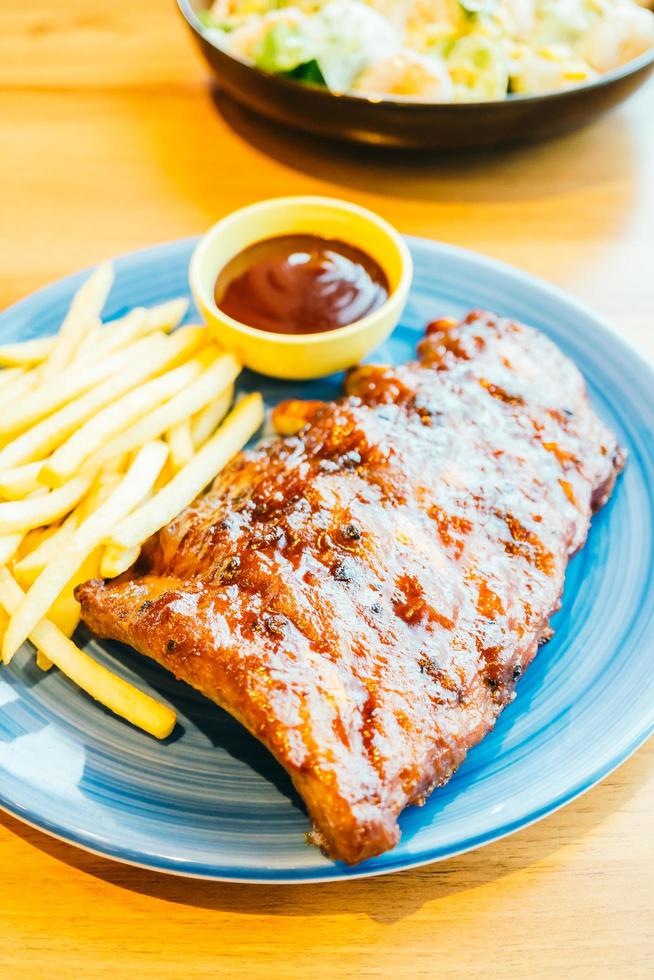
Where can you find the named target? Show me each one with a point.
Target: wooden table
(110, 141)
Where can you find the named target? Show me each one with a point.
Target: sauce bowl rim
(205, 290)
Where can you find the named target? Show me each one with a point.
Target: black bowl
(388, 122)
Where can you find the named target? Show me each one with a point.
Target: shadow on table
(578, 161)
(583, 187)
(215, 724)
(386, 899)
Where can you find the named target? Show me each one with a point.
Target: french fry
(8, 375)
(137, 323)
(42, 661)
(167, 315)
(51, 432)
(75, 381)
(65, 610)
(19, 482)
(113, 419)
(30, 566)
(218, 376)
(88, 343)
(144, 359)
(114, 560)
(26, 353)
(110, 337)
(117, 465)
(108, 689)
(146, 356)
(9, 545)
(23, 515)
(21, 386)
(117, 560)
(242, 422)
(105, 482)
(32, 539)
(137, 482)
(205, 422)
(113, 336)
(165, 476)
(85, 413)
(84, 311)
(4, 621)
(31, 563)
(179, 440)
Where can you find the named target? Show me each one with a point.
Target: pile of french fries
(107, 432)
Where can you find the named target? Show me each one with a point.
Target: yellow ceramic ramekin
(291, 356)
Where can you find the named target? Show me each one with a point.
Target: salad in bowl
(436, 51)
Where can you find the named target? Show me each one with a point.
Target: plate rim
(333, 873)
(530, 279)
(342, 873)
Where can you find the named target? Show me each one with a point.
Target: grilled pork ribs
(364, 595)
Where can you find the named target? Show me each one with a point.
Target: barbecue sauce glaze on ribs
(364, 595)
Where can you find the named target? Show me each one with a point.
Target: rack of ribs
(363, 595)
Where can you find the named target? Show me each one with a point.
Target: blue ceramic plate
(210, 801)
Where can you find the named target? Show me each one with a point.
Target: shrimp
(620, 35)
(245, 39)
(406, 73)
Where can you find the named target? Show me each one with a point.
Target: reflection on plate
(211, 802)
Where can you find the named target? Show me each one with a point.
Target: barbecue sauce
(300, 284)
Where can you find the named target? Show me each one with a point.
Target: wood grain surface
(112, 139)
